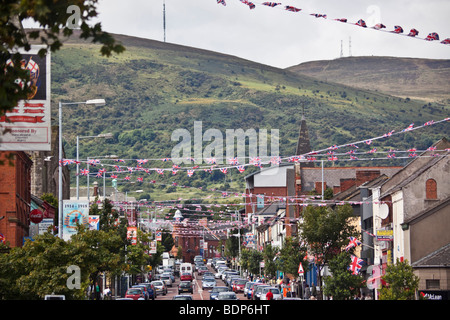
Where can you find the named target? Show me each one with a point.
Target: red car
(239, 285)
(135, 293)
(186, 277)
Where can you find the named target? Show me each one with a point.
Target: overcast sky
(276, 37)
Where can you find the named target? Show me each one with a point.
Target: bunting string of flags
(329, 154)
(398, 30)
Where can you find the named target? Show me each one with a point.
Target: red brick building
(15, 196)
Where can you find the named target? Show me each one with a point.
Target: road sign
(300, 269)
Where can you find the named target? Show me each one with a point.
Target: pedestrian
(307, 293)
(269, 295)
(107, 294)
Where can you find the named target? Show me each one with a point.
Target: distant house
(295, 180)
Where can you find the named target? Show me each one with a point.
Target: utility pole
(349, 46)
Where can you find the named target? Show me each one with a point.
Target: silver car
(228, 295)
(275, 291)
(167, 279)
(208, 283)
(160, 287)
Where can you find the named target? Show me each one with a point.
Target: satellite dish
(383, 212)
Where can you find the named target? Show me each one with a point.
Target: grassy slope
(155, 88)
(424, 79)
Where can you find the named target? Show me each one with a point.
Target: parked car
(251, 289)
(185, 286)
(215, 292)
(147, 293)
(160, 286)
(238, 285)
(275, 291)
(257, 292)
(208, 282)
(150, 289)
(219, 272)
(201, 270)
(228, 295)
(135, 294)
(247, 289)
(182, 297)
(167, 279)
(227, 273)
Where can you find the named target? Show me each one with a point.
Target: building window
(431, 189)
(432, 284)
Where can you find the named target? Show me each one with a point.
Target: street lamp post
(95, 102)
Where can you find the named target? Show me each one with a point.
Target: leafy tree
(96, 252)
(232, 245)
(167, 240)
(254, 259)
(401, 282)
(57, 19)
(269, 254)
(291, 255)
(40, 267)
(342, 284)
(326, 231)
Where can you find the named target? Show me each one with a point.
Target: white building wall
(399, 245)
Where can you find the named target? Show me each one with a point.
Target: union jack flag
(241, 169)
(221, 2)
(127, 178)
(160, 171)
(271, 4)
(142, 161)
(93, 162)
(224, 170)
(233, 161)
(190, 173)
(275, 160)
(66, 162)
(361, 23)
(409, 127)
(355, 265)
(398, 29)
(113, 176)
(353, 243)
(413, 33)
(250, 4)
(84, 172)
(292, 9)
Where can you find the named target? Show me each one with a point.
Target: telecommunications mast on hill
(164, 19)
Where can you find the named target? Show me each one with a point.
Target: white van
(185, 268)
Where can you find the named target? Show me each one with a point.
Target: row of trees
(324, 233)
(47, 264)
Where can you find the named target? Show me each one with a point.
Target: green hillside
(423, 79)
(154, 88)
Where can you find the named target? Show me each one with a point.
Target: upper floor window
(431, 189)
